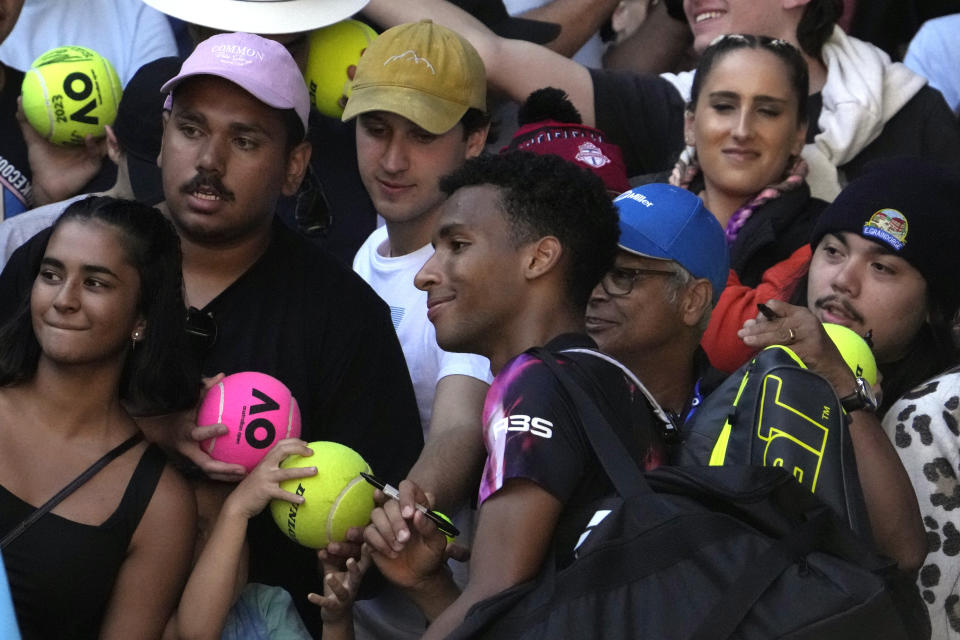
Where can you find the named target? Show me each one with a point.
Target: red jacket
(738, 303)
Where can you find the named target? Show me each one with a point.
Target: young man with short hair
(520, 244)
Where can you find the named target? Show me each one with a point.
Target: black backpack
(773, 411)
(702, 553)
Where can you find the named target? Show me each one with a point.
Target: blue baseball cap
(669, 223)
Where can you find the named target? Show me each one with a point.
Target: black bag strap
(623, 472)
(70, 488)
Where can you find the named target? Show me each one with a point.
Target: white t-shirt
(128, 33)
(392, 279)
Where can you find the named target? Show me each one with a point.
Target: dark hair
(293, 125)
(546, 195)
(156, 376)
(474, 120)
(931, 351)
(788, 54)
(816, 25)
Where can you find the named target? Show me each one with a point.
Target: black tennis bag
(701, 553)
(773, 411)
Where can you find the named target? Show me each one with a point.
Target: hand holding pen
(390, 491)
(410, 550)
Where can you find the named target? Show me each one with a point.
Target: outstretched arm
(578, 20)
(515, 67)
(450, 464)
(217, 578)
(889, 496)
(339, 591)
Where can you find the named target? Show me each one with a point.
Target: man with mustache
(883, 263)
(261, 297)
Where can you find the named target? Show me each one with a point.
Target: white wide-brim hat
(260, 16)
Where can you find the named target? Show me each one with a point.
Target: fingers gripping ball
(335, 499)
(259, 411)
(333, 51)
(69, 93)
(855, 351)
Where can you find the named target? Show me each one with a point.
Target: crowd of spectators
(622, 183)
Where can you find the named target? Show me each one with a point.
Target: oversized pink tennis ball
(258, 409)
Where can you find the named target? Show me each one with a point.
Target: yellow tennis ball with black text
(855, 351)
(333, 50)
(335, 499)
(69, 93)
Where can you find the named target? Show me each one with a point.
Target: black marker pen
(445, 527)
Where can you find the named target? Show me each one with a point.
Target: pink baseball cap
(262, 67)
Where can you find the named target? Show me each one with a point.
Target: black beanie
(912, 207)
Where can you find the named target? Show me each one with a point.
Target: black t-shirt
(299, 315)
(532, 430)
(62, 572)
(15, 186)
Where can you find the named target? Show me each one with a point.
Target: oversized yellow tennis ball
(333, 50)
(335, 499)
(855, 351)
(70, 92)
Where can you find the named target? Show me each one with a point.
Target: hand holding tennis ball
(855, 351)
(262, 484)
(69, 93)
(258, 411)
(336, 499)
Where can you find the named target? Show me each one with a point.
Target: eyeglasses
(619, 281)
(201, 329)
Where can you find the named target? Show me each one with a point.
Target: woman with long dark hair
(98, 335)
(746, 123)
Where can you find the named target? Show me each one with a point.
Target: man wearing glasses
(651, 309)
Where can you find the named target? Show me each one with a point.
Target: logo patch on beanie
(889, 226)
(590, 154)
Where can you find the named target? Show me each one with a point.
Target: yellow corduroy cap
(422, 71)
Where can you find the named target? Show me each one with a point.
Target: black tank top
(62, 572)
